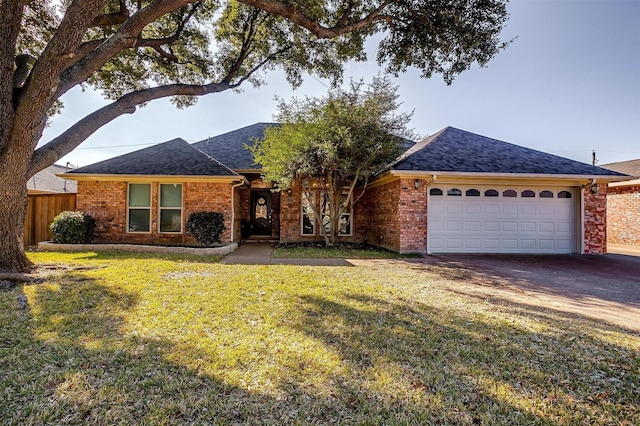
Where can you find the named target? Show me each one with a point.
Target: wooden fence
(40, 213)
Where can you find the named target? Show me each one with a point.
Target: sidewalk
(260, 254)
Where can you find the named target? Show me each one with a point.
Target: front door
(261, 213)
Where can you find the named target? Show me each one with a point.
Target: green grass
(145, 339)
(334, 253)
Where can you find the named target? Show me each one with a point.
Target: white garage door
(475, 219)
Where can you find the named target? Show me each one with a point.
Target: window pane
(170, 220)
(139, 220)
(528, 193)
(564, 194)
(546, 194)
(308, 218)
(345, 224)
(472, 193)
(490, 193)
(454, 192)
(510, 193)
(139, 195)
(435, 191)
(171, 195)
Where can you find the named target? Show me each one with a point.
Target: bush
(206, 227)
(72, 228)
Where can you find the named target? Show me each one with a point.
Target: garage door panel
(480, 224)
(546, 227)
(510, 209)
(528, 226)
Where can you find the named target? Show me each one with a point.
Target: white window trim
(160, 208)
(128, 230)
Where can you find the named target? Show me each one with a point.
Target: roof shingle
(230, 147)
(455, 150)
(173, 158)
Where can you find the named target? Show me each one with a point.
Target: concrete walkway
(260, 254)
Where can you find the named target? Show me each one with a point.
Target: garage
(505, 219)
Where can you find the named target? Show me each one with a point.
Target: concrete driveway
(606, 288)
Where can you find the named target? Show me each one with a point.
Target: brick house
(623, 205)
(454, 192)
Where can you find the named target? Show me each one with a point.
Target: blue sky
(567, 85)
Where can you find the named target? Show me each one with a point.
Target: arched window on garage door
(435, 191)
(564, 194)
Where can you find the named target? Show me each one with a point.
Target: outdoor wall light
(416, 183)
(594, 189)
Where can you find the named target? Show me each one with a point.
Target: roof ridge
(417, 147)
(213, 159)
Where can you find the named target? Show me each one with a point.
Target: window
(308, 217)
(490, 193)
(564, 194)
(139, 207)
(171, 207)
(546, 194)
(435, 191)
(472, 193)
(510, 193)
(527, 193)
(454, 192)
(345, 218)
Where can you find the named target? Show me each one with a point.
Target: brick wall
(595, 220)
(106, 201)
(413, 216)
(378, 213)
(623, 215)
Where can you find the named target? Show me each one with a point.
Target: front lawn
(150, 339)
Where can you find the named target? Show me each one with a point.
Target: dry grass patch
(147, 339)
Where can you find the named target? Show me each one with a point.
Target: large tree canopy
(335, 144)
(138, 51)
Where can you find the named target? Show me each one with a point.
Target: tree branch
(115, 18)
(79, 132)
(126, 37)
(342, 27)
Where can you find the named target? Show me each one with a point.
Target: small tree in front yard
(335, 143)
(206, 227)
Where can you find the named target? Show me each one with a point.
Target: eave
(494, 178)
(153, 178)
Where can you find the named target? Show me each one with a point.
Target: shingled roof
(230, 149)
(46, 181)
(630, 167)
(173, 158)
(455, 150)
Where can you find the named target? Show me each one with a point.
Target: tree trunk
(13, 202)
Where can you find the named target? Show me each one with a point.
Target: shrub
(72, 228)
(206, 227)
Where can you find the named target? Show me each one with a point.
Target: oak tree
(135, 51)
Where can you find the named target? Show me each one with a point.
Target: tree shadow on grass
(71, 359)
(452, 368)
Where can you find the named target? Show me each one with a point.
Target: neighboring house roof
(173, 158)
(455, 150)
(230, 147)
(46, 181)
(630, 167)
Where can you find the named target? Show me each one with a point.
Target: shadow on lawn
(470, 371)
(128, 255)
(70, 360)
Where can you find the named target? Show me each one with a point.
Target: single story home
(453, 192)
(47, 181)
(623, 205)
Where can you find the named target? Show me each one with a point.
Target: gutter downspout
(233, 207)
